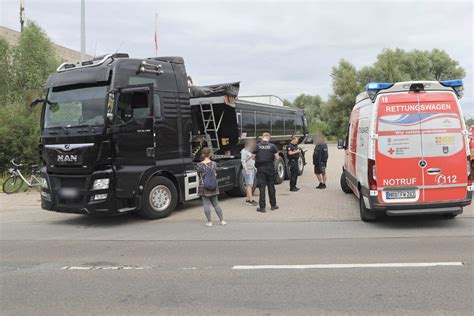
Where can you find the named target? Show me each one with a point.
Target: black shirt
(320, 154)
(292, 147)
(265, 153)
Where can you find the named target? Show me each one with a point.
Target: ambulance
(407, 150)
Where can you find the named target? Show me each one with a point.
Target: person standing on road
(320, 159)
(293, 153)
(248, 170)
(265, 154)
(208, 188)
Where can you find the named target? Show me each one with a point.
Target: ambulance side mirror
(340, 144)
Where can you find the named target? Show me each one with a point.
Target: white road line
(348, 266)
(104, 268)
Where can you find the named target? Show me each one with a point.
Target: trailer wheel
(366, 215)
(344, 186)
(159, 198)
(280, 171)
(300, 165)
(239, 190)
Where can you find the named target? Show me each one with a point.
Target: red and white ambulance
(407, 150)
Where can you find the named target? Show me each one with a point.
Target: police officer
(293, 153)
(265, 154)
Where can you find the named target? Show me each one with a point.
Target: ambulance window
(442, 134)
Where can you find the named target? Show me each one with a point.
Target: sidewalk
(309, 204)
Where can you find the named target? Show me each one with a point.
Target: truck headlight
(101, 184)
(44, 183)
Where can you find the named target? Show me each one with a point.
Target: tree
(24, 70)
(335, 112)
(311, 105)
(5, 71)
(34, 59)
(390, 66)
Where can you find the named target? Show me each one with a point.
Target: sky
(283, 48)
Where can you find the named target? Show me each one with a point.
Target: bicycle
(16, 180)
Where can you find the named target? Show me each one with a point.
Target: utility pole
(83, 30)
(22, 14)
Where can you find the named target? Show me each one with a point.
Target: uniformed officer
(293, 153)
(265, 154)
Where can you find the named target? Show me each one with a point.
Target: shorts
(248, 179)
(320, 169)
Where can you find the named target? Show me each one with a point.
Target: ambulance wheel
(159, 198)
(449, 215)
(366, 215)
(300, 165)
(280, 171)
(344, 186)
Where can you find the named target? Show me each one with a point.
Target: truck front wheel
(159, 198)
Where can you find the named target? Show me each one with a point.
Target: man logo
(67, 147)
(66, 158)
(445, 150)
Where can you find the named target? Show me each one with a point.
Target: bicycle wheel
(12, 185)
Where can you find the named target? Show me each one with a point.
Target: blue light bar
(452, 83)
(376, 86)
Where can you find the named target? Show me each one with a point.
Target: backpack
(209, 179)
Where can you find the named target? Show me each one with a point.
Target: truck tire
(239, 190)
(159, 198)
(280, 171)
(344, 186)
(301, 164)
(366, 215)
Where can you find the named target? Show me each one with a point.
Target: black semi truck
(120, 134)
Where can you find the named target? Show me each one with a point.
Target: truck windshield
(83, 106)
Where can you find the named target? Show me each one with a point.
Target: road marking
(104, 268)
(348, 266)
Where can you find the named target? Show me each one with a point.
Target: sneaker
(208, 224)
(261, 210)
(223, 223)
(294, 190)
(319, 186)
(274, 208)
(323, 186)
(248, 202)
(254, 203)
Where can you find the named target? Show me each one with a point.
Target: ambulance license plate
(399, 195)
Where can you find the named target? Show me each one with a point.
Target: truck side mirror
(36, 102)
(110, 117)
(340, 144)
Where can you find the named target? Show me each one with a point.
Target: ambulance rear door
(443, 147)
(398, 158)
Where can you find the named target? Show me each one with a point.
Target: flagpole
(156, 35)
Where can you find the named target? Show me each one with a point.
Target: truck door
(444, 148)
(398, 159)
(133, 128)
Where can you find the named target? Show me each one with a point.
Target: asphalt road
(178, 268)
